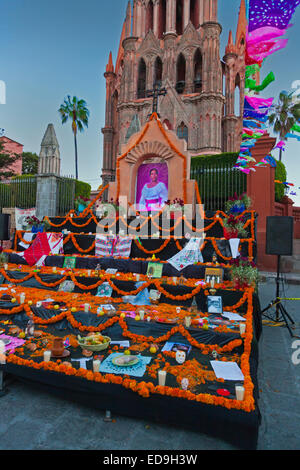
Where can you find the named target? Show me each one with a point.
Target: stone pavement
(31, 419)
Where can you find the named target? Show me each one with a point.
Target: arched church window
(237, 96)
(181, 70)
(198, 72)
(142, 73)
(179, 17)
(182, 132)
(194, 13)
(162, 25)
(158, 69)
(149, 17)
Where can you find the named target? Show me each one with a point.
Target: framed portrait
(216, 274)
(155, 270)
(152, 186)
(215, 304)
(69, 262)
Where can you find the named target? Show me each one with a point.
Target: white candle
(137, 276)
(148, 319)
(240, 392)
(54, 269)
(47, 356)
(187, 321)
(142, 314)
(162, 374)
(22, 298)
(86, 308)
(6, 267)
(178, 310)
(242, 328)
(96, 366)
(89, 272)
(175, 280)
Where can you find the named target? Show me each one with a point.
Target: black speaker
(4, 227)
(280, 236)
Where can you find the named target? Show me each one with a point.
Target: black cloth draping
(238, 427)
(86, 241)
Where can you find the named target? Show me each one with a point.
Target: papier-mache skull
(180, 357)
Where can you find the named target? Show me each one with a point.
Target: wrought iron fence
(18, 192)
(66, 195)
(217, 183)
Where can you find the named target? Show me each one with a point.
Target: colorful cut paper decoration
(268, 21)
(277, 13)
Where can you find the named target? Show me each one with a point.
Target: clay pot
(58, 347)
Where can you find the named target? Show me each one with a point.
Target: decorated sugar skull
(180, 357)
(185, 384)
(215, 354)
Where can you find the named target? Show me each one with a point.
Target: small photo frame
(70, 263)
(215, 274)
(154, 270)
(215, 304)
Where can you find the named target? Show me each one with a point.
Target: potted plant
(244, 273)
(233, 231)
(238, 204)
(36, 225)
(81, 203)
(234, 227)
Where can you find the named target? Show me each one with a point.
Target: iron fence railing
(217, 183)
(18, 192)
(66, 195)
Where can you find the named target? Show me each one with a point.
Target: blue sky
(53, 48)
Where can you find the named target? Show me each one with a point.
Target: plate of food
(95, 342)
(168, 321)
(125, 361)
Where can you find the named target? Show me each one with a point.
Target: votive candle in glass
(240, 392)
(96, 366)
(47, 356)
(162, 375)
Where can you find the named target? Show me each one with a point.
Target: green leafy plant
(244, 273)
(238, 204)
(234, 227)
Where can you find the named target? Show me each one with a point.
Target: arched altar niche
(154, 144)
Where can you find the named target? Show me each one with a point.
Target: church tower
(176, 43)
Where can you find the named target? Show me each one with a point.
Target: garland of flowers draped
(145, 389)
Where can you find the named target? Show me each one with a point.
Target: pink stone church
(176, 44)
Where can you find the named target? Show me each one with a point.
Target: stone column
(46, 196)
(156, 18)
(186, 13)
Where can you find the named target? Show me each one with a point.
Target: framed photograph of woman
(214, 304)
(152, 186)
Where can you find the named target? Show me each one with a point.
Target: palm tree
(77, 111)
(286, 114)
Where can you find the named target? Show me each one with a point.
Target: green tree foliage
(29, 163)
(280, 175)
(286, 114)
(76, 111)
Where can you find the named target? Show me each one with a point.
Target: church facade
(176, 44)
